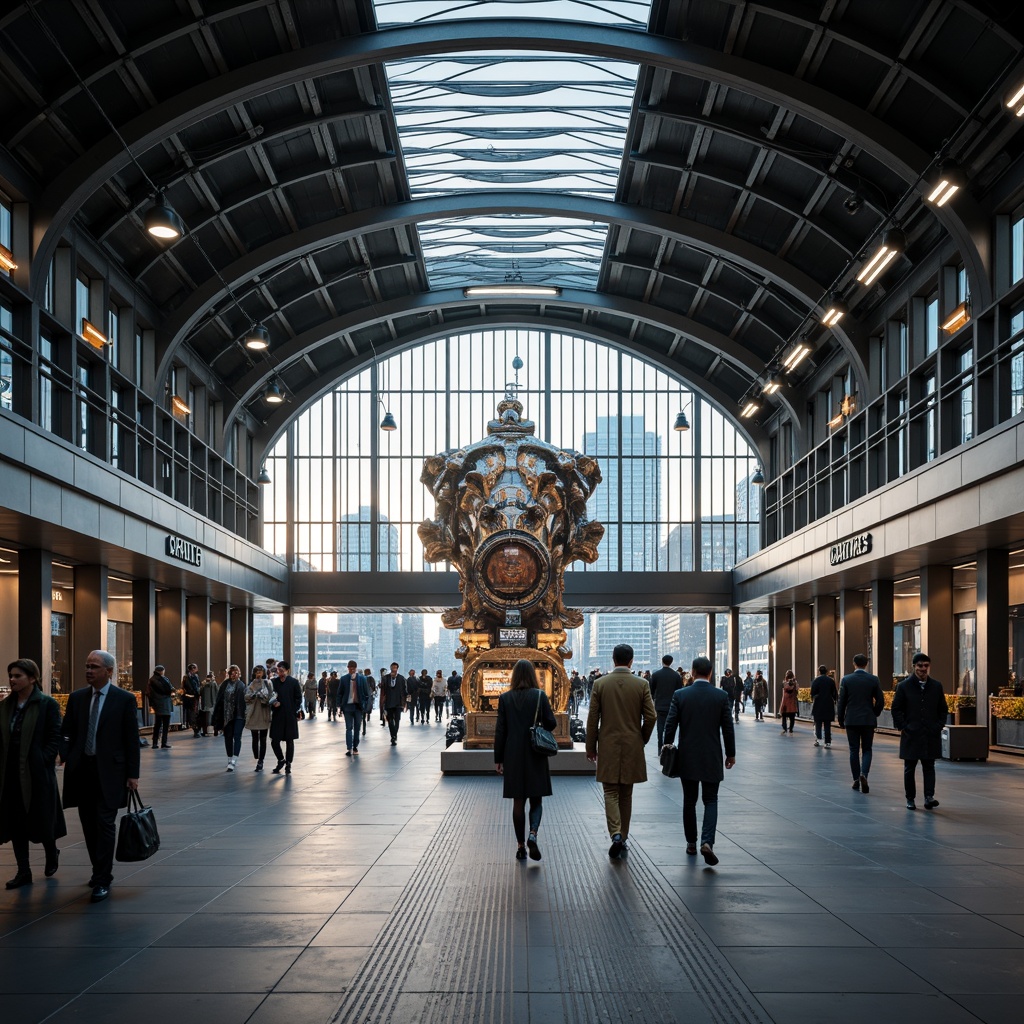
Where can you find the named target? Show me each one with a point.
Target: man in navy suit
(861, 701)
(100, 749)
(702, 714)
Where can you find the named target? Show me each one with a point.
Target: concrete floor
(374, 889)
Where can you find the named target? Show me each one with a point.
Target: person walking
(333, 686)
(355, 692)
(619, 723)
(860, 703)
(788, 705)
(664, 683)
(525, 774)
(455, 691)
(30, 810)
(259, 695)
(310, 695)
(229, 714)
(733, 686)
(207, 702)
(321, 690)
(438, 692)
(759, 695)
(919, 711)
(702, 715)
(161, 704)
(412, 692)
(371, 689)
(284, 718)
(190, 692)
(823, 705)
(392, 700)
(100, 750)
(425, 687)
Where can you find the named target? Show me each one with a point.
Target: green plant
(1007, 707)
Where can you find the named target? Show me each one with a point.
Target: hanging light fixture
(892, 244)
(388, 422)
(161, 221)
(957, 318)
(758, 478)
(948, 180)
(92, 334)
(798, 353)
(837, 309)
(681, 423)
(257, 338)
(1015, 101)
(751, 408)
(264, 477)
(7, 262)
(773, 384)
(273, 395)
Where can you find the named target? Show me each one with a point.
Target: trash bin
(965, 743)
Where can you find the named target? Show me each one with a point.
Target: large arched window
(347, 496)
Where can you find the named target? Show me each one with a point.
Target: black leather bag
(541, 740)
(670, 761)
(137, 835)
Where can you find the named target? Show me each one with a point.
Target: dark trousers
(233, 736)
(910, 783)
(189, 708)
(353, 724)
(737, 707)
(662, 719)
(97, 823)
(860, 738)
(161, 723)
(17, 829)
(259, 743)
(412, 711)
(289, 750)
(791, 715)
(394, 721)
(825, 727)
(709, 797)
(438, 708)
(424, 708)
(203, 722)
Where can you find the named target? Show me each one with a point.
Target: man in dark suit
(860, 704)
(100, 751)
(919, 711)
(664, 683)
(392, 699)
(702, 714)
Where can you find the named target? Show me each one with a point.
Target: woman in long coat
(788, 705)
(259, 695)
(30, 808)
(284, 721)
(525, 774)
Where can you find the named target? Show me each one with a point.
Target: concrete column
(733, 642)
(825, 626)
(311, 643)
(853, 630)
(35, 603)
(938, 637)
(197, 632)
(240, 641)
(220, 638)
(804, 664)
(170, 634)
(781, 654)
(882, 631)
(144, 655)
(287, 637)
(993, 627)
(90, 630)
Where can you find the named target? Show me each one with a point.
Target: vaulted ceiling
(344, 171)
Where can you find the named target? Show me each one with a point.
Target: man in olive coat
(702, 714)
(919, 712)
(620, 722)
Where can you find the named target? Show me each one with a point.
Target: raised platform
(458, 761)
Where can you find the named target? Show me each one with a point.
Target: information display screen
(511, 636)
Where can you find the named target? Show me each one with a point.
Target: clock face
(511, 570)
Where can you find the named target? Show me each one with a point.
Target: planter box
(804, 709)
(885, 720)
(1010, 732)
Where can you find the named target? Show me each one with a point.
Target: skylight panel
(634, 13)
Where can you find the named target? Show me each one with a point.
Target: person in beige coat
(620, 722)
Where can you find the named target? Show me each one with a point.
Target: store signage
(184, 550)
(852, 547)
(511, 636)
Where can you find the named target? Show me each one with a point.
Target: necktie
(94, 720)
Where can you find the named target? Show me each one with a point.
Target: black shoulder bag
(541, 740)
(137, 836)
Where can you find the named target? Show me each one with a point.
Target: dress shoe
(708, 854)
(20, 879)
(355, 751)
(521, 853)
(51, 864)
(911, 806)
(930, 802)
(277, 769)
(531, 845)
(864, 787)
(817, 743)
(691, 849)
(288, 768)
(99, 894)
(259, 766)
(166, 746)
(616, 848)
(856, 784)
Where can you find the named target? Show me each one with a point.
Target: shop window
(906, 642)
(966, 653)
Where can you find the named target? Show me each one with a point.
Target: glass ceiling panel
(512, 121)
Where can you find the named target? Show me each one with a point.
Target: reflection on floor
(374, 889)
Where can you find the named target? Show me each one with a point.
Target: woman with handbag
(30, 807)
(525, 772)
(788, 706)
(258, 697)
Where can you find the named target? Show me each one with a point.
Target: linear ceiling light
(960, 316)
(893, 243)
(180, 406)
(837, 309)
(772, 385)
(948, 181)
(7, 259)
(798, 353)
(528, 291)
(1015, 101)
(92, 334)
(752, 407)
(257, 338)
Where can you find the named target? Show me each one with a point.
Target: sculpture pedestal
(457, 761)
(480, 727)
